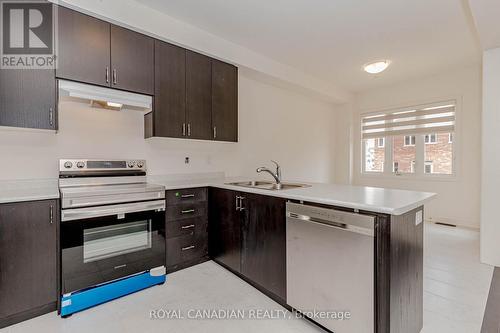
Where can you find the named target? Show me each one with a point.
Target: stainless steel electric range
(112, 231)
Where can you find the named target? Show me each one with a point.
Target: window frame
(420, 174)
(426, 164)
(435, 138)
(383, 142)
(411, 144)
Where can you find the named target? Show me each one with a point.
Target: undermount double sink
(265, 185)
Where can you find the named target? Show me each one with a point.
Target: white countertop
(378, 200)
(28, 190)
(373, 199)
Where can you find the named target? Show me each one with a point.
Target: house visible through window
(419, 140)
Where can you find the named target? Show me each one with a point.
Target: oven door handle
(91, 212)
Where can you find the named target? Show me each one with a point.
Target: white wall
(274, 123)
(458, 200)
(490, 198)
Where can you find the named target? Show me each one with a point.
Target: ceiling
(333, 39)
(486, 15)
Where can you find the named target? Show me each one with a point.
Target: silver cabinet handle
(51, 116)
(120, 266)
(187, 211)
(189, 129)
(183, 129)
(51, 215)
(107, 74)
(215, 132)
(187, 226)
(237, 203)
(115, 80)
(187, 248)
(241, 203)
(184, 196)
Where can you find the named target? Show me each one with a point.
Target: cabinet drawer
(186, 227)
(186, 248)
(186, 211)
(188, 195)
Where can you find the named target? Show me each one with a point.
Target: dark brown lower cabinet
(263, 248)
(224, 230)
(28, 260)
(248, 235)
(186, 228)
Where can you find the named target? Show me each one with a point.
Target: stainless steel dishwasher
(330, 266)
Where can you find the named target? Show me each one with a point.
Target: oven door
(100, 244)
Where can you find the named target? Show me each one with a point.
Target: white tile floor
(456, 284)
(456, 288)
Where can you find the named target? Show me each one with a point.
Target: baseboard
(448, 221)
(25, 315)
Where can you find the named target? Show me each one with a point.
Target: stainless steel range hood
(103, 97)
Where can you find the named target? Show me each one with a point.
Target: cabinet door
(199, 96)
(83, 48)
(224, 101)
(263, 255)
(132, 61)
(28, 98)
(170, 91)
(28, 256)
(224, 228)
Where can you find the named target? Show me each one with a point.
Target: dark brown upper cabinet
(28, 98)
(84, 52)
(224, 101)
(97, 52)
(28, 260)
(132, 61)
(170, 91)
(198, 96)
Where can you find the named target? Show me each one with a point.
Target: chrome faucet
(276, 175)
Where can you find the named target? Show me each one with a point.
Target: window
(395, 167)
(417, 140)
(374, 155)
(381, 142)
(428, 167)
(430, 138)
(409, 140)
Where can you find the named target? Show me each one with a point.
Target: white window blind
(433, 118)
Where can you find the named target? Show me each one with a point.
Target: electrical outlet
(186, 160)
(419, 217)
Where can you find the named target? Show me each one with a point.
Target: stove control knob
(80, 165)
(68, 165)
(131, 164)
(140, 164)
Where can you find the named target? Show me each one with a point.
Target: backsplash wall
(274, 123)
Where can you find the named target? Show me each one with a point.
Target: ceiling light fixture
(114, 105)
(377, 67)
